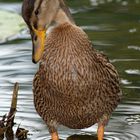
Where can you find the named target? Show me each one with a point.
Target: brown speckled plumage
(75, 85)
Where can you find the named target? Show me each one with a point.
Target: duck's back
(75, 84)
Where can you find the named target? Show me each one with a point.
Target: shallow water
(114, 28)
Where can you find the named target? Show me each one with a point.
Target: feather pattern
(75, 84)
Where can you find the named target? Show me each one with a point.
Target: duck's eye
(35, 38)
(36, 12)
(35, 25)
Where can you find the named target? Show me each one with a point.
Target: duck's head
(38, 15)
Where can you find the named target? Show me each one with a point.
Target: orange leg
(54, 136)
(100, 132)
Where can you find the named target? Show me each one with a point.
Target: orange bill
(38, 40)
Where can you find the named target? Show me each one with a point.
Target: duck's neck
(63, 16)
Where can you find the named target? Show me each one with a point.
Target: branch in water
(10, 118)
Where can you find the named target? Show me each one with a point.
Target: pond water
(114, 28)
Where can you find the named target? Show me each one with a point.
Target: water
(114, 28)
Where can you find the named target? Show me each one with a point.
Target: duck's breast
(77, 82)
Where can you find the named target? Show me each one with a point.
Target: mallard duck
(75, 86)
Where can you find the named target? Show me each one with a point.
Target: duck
(76, 85)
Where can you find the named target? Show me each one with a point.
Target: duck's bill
(38, 40)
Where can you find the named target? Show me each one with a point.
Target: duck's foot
(100, 132)
(54, 136)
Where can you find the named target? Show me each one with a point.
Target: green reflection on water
(118, 36)
(7, 1)
(10, 24)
